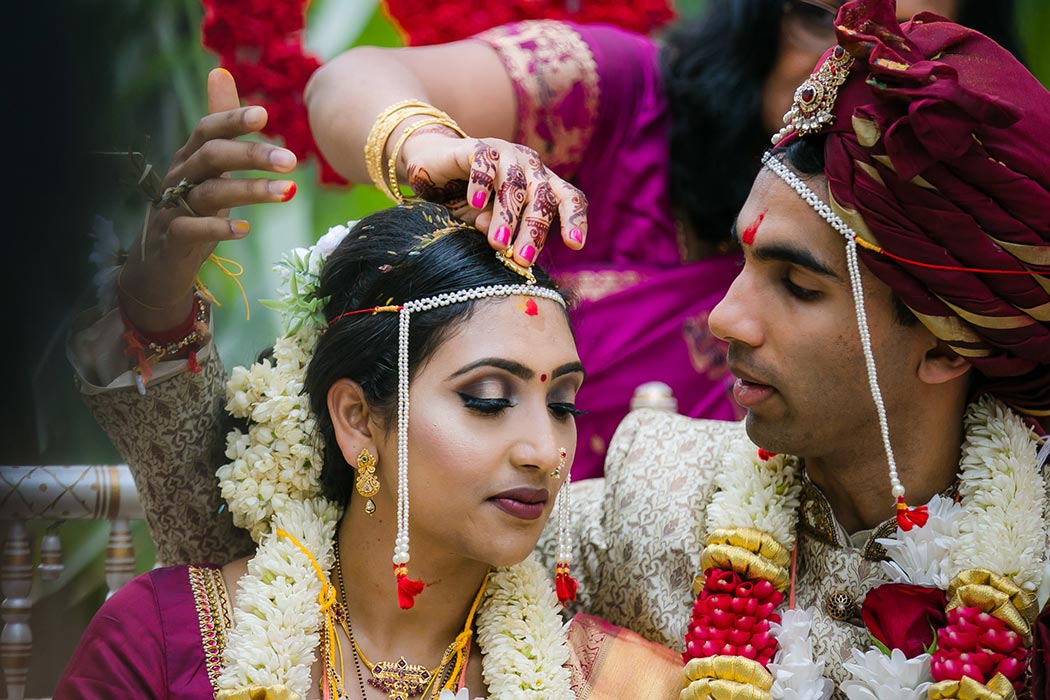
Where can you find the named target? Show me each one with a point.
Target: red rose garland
(976, 645)
(423, 22)
(731, 616)
(260, 43)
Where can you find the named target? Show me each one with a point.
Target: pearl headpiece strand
(906, 517)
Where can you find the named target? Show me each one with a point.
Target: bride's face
(489, 412)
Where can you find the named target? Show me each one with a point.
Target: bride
(398, 458)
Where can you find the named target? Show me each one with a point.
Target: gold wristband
(385, 125)
(395, 188)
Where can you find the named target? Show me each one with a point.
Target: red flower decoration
(731, 617)
(260, 43)
(422, 22)
(976, 645)
(904, 616)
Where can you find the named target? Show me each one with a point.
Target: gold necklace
(399, 679)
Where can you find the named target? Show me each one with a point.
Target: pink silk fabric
(143, 643)
(642, 314)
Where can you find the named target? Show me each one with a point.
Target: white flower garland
(894, 677)
(763, 495)
(921, 556)
(277, 616)
(796, 675)
(521, 633)
(999, 526)
(272, 483)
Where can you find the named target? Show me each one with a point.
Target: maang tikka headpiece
(811, 109)
(407, 588)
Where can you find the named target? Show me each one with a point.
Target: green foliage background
(131, 75)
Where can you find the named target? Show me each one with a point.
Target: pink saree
(158, 637)
(591, 102)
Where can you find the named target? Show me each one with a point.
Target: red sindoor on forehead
(748, 235)
(543, 377)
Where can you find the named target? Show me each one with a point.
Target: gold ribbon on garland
(726, 678)
(998, 688)
(996, 595)
(749, 552)
(255, 692)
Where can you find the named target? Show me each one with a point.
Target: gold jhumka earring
(367, 484)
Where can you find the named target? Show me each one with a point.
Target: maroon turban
(939, 153)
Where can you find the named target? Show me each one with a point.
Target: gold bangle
(380, 133)
(385, 125)
(377, 169)
(446, 121)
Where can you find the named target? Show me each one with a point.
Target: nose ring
(563, 455)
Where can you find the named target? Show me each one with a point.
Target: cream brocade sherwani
(638, 532)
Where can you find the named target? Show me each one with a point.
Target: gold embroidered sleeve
(556, 84)
(213, 617)
(173, 438)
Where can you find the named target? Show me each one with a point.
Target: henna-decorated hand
(503, 188)
(156, 291)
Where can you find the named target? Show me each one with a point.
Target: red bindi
(531, 309)
(543, 377)
(748, 236)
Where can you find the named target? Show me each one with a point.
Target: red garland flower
(424, 23)
(904, 616)
(731, 617)
(976, 645)
(260, 43)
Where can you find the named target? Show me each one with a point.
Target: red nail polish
(528, 253)
(502, 235)
(288, 193)
(576, 235)
(478, 201)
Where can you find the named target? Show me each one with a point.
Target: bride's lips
(748, 392)
(523, 502)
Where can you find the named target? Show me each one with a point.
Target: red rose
(904, 616)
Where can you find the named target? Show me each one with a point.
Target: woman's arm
(502, 187)
(465, 79)
(122, 653)
(172, 431)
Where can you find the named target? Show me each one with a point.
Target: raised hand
(504, 188)
(156, 288)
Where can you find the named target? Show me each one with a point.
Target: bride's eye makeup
(488, 407)
(489, 396)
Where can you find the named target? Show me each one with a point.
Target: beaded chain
(825, 212)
